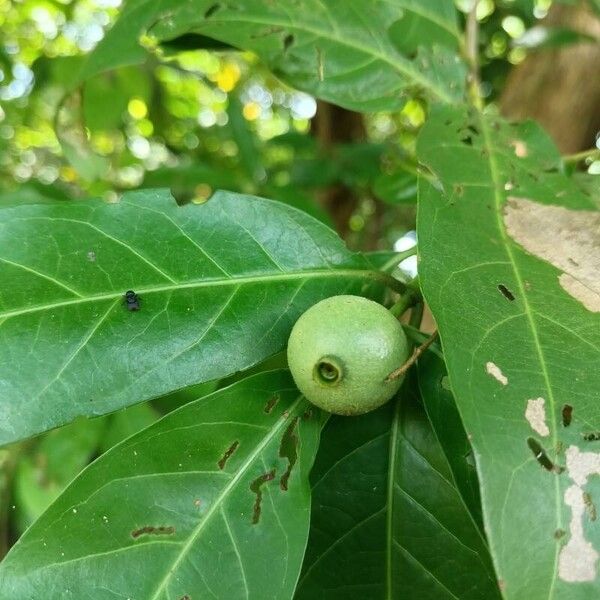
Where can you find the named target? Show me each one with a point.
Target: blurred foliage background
(196, 117)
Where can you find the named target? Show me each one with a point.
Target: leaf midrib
(291, 414)
(214, 282)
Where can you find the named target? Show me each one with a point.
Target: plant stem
(413, 359)
(472, 55)
(581, 156)
(391, 264)
(406, 301)
(416, 315)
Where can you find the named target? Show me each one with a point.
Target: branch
(573, 159)
(472, 54)
(413, 359)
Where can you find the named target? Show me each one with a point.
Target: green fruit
(341, 351)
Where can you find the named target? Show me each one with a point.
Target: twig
(413, 359)
(472, 54)
(581, 156)
(406, 301)
(391, 264)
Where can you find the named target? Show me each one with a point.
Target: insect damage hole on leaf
(256, 488)
(211, 10)
(577, 559)
(271, 403)
(289, 449)
(535, 413)
(494, 370)
(567, 239)
(288, 41)
(506, 292)
(223, 460)
(567, 415)
(542, 458)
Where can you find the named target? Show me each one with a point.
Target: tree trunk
(560, 88)
(335, 125)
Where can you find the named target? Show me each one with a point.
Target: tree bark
(335, 125)
(560, 88)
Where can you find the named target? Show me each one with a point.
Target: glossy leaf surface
(509, 265)
(447, 425)
(387, 520)
(219, 286)
(197, 505)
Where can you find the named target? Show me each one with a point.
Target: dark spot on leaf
(149, 530)
(567, 415)
(223, 460)
(542, 457)
(590, 507)
(289, 449)
(559, 533)
(211, 10)
(186, 597)
(474, 130)
(255, 487)
(271, 402)
(552, 169)
(573, 262)
(592, 436)
(266, 32)
(467, 139)
(506, 292)
(288, 40)
(308, 413)
(459, 189)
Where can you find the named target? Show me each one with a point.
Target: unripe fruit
(341, 351)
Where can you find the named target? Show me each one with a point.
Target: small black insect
(132, 300)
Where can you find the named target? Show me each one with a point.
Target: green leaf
(54, 461)
(590, 185)
(184, 179)
(211, 501)
(387, 521)
(366, 57)
(246, 141)
(396, 188)
(509, 265)
(128, 421)
(440, 405)
(120, 86)
(220, 286)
